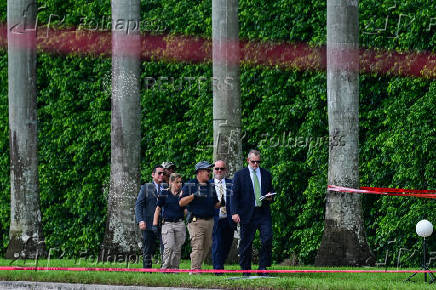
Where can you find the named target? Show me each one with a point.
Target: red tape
(8, 268)
(385, 191)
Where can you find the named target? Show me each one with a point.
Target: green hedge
(284, 115)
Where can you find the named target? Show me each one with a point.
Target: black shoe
(218, 274)
(263, 274)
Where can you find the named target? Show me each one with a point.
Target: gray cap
(203, 165)
(168, 164)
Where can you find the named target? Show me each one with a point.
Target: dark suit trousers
(148, 248)
(222, 238)
(262, 222)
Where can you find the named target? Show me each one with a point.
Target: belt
(172, 220)
(201, 218)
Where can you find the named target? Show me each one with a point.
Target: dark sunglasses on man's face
(255, 161)
(220, 168)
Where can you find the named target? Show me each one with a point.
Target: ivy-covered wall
(284, 115)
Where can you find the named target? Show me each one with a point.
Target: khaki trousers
(173, 237)
(200, 233)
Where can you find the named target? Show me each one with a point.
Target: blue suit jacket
(146, 204)
(228, 201)
(242, 201)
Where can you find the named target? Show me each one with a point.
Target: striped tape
(385, 191)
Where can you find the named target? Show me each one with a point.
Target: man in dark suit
(144, 212)
(224, 227)
(248, 209)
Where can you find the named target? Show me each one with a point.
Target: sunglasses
(220, 168)
(255, 161)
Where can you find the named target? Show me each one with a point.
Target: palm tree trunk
(226, 87)
(344, 241)
(25, 232)
(121, 235)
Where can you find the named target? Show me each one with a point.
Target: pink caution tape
(385, 191)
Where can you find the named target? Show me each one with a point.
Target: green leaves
(395, 152)
(4, 159)
(74, 150)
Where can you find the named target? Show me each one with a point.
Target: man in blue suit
(248, 209)
(224, 227)
(144, 211)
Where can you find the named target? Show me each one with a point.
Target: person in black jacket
(144, 211)
(224, 227)
(251, 208)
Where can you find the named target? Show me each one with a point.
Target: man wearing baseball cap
(200, 198)
(169, 167)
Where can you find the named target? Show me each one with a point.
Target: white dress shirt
(220, 187)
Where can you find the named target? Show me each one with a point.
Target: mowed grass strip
(281, 281)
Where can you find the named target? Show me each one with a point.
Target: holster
(189, 217)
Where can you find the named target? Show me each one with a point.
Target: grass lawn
(281, 281)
